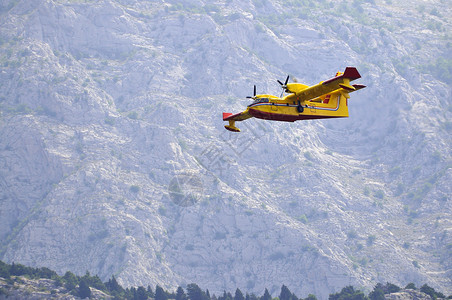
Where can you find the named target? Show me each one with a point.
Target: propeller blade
(284, 85)
(254, 94)
(287, 80)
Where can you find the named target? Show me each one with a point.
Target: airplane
(328, 99)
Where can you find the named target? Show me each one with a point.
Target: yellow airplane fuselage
(269, 107)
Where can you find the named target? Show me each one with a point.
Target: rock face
(106, 105)
(408, 295)
(21, 287)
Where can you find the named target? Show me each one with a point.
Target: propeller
(254, 95)
(284, 85)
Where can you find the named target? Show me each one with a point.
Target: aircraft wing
(339, 82)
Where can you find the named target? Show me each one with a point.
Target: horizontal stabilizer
(232, 118)
(347, 87)
(226, 116)
(358, 86)
(237, 117)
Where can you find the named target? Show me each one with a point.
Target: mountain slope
(105, 105)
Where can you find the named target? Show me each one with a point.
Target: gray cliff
(114, 159)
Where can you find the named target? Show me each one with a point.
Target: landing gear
(300, 108)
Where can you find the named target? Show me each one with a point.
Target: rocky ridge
(408, 294)
(21, 287)
(104, 103)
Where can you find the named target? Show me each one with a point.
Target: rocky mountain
(114, 159)
(407, 294)
(22, 287)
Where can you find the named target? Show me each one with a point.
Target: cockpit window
(261, 100)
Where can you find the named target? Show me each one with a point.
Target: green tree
(410, 286)
(113, 286)
(83, 290)
(226, 296)
(348, 293)
(285, 293)
(133, 292)
(59, 282)
(46, 273)
(266, 296)
(128, 293)
(160, 293)
(238, 295)
(428, 290)
(390, 288)
(141, 294)
(4, 270)
(17, 269)
(180, 294)
(431, 292)
(94, 281)
(194, 292)
(311, 297)
(377, 293)
(70, 280)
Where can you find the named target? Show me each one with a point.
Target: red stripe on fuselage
(285, 117)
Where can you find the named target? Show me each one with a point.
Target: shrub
(379, 194)
(371, 239)
(132, 115)
(134, 188)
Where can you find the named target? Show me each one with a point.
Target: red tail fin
(351, 73)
